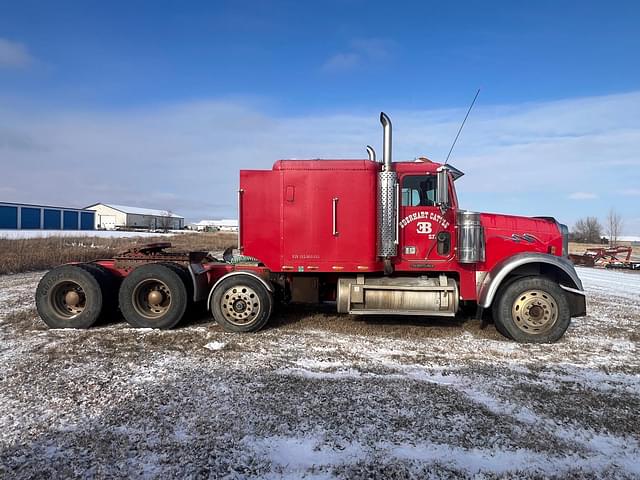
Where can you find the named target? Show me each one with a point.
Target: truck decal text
(426, 215)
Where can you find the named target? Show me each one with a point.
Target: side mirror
(442, 188)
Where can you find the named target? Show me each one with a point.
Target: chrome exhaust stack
(386, 141)
(371, 153)
(388, 197)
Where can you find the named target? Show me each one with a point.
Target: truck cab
(389, 238)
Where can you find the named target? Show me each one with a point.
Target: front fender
(525, 263)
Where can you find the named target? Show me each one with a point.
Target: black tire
(109, 285)
(241, 303)
(500, 328)
(494, 314)
(532, 310)
(188, 282)
(184, 274)
(137, 307)
(69, 297)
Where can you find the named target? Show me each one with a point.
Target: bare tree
(587, 230)
(614, 224)
(166, 221)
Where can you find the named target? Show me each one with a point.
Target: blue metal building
(23, 216)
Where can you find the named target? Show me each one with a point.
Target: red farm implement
(601, 257)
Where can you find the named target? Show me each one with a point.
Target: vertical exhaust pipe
(388, 200)
(372, 153)
(386, 141)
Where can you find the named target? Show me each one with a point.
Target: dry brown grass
(201, 241)
(29, 254)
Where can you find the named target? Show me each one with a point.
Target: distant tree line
(590, 230)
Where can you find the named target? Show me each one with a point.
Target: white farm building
(110, 216)
(224, 225)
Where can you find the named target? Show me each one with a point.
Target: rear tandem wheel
(70, 296)
(154, 296)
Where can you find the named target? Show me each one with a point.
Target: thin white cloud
(14, 54)
(631, 192)
(341, 62)
(583, 196)
(373, 48)
(518, 159)
(361, 51)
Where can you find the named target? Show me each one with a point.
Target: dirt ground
(317, 395)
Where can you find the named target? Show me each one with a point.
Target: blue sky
(199, 90)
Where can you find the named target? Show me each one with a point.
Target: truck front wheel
(532, 310)
(241, 303)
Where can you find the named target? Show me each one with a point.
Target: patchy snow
(622, 284)
(321, 396)
(17, 292)
(215, 346)
(19, 234)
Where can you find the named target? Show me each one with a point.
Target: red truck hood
(507, 235)
(520, 225)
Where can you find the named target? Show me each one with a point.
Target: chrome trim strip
(493, 280)
(574, 290)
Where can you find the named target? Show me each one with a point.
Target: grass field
(30, 254)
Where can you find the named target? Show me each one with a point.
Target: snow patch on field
(321, 396)
(611, 283)
(213, 346)
(17, 292)
(21, 234)
(297, 455)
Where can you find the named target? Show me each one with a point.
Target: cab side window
(419, 191)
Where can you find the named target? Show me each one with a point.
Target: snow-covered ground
(16, 234)
(320, 395)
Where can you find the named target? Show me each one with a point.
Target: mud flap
(577, 301)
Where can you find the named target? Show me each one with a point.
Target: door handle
(335, 216)
(240, 246)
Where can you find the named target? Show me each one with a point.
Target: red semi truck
(376, 238)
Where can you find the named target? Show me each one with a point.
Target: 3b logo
(424, 227)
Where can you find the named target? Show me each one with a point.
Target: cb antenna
(461, 126)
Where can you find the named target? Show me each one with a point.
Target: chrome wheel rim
(535, 312)
(68, 299)
(151, 298)
(240, 305)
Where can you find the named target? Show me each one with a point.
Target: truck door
(425, 232)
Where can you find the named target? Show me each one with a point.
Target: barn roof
(138, 210)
